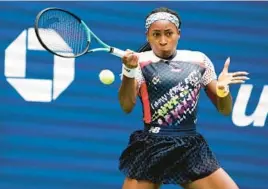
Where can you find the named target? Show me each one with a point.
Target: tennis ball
(106, 77)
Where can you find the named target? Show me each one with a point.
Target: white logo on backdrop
(37, 90)
(258, 117)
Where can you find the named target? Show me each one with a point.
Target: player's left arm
(218, 90)
(223, 104)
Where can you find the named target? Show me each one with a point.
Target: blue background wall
(75, 140)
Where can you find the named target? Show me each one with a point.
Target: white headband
(161, 16)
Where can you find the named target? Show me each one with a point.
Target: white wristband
(128, 72)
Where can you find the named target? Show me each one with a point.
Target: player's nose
(163, 41)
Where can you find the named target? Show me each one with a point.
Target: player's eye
(168, 34)
(156, 34)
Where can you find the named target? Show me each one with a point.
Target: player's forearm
(221, 98)
(127, 94)
(224, 104)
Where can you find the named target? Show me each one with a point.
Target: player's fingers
(240, 73)
(237, 81)
(134, 61)
(131, 57)
(226, 65)
(126, 59)
(128, 53)
(240, 78)
(131, 61)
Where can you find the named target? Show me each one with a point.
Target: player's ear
(146, 33)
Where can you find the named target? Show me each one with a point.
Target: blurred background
(61, 128)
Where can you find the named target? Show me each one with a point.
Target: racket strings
(62, 33)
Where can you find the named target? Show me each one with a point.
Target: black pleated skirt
(167, 159)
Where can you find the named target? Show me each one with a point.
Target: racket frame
(90, 34)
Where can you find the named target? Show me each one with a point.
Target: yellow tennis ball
(106, 77)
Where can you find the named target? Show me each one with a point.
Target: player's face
(163, 37)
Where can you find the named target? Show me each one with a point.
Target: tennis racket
(66, 35)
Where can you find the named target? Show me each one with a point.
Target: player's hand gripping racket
(66, 35)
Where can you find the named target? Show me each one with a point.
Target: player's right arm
(128, 89)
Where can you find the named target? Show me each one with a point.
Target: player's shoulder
(190, 55)
(148, 56)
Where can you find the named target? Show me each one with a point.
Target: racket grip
(117, 52)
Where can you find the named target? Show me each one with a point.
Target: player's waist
(171, 130)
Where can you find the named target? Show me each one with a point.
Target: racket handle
(117, 52)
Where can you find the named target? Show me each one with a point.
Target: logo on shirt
(156, 80)
(154, 130)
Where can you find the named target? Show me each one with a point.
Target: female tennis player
(169, 150)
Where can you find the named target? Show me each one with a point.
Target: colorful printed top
(169, 89)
